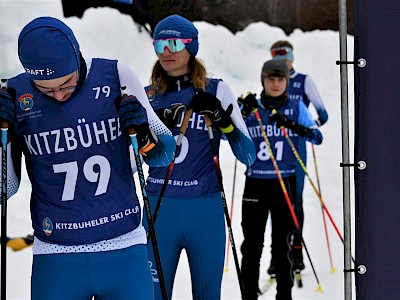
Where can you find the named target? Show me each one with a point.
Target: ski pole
(289, 203)
(231, 214)
(182, 132)
(225, 206)
(333, 269)
(135, 146)
(296, 154)
(4, 131)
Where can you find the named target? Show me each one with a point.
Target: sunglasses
(47, 91)
(280, 51)
(173, 45)
(63, 89)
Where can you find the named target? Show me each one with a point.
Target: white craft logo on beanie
(48, 49)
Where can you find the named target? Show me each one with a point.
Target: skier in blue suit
(191, 216)
(67, 117)
(263, 192)
(301, 87)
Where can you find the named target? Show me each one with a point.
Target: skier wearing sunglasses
(191, 217)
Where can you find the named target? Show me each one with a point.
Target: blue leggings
(118, 274)
(196, 225)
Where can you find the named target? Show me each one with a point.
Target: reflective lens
(280, 51)
(173, 45)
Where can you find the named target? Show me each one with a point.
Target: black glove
(248, 104)
(206, 104)
(133, 115)
(7, 98)
(170, 116)
(282, 120)
(312, 135)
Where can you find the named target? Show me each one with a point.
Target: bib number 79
(101, 177)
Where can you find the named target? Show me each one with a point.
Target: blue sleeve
(322, 117)
(305, 119)
(163, 152)
(242, 146)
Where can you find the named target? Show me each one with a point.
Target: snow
(237, 58)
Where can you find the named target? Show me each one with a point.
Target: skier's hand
(7, 98)
(248, 104)
(204, 103)
(132, 115)
(314, 136)
(170, 116)
(280, 120)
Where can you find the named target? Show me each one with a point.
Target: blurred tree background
(235, 15)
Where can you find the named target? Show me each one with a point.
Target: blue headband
(288, 56)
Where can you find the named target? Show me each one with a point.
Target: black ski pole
(135, 146)
(224, 204)
(4, 131)
(182, 132)
(231, 214)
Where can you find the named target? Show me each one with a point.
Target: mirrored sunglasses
(173, 45)
(280, 51)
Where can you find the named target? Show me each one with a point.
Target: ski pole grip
(131, 131)
(208, 120)
(4, 123)
(185, 121)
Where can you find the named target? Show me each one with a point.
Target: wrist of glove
(248, 104)
(170, 116)
(7, 98)
(146, 138)
(206, 104)
(132, 115)
(314, 136)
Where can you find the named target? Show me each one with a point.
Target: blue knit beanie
(48, 49)
(179, 27)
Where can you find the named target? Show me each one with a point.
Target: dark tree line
(233, 14)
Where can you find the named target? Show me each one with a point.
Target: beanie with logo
(48, 49)
(177, 27)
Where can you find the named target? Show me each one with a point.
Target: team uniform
(263, 195)
(86, 216)
(191, 215)
(303, 88)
